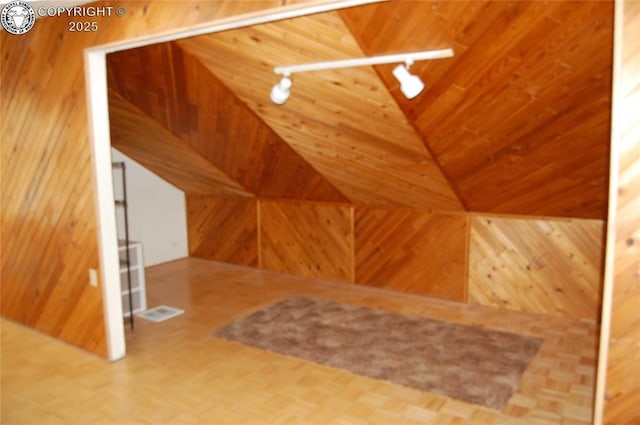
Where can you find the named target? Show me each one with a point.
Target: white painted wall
(157, 212)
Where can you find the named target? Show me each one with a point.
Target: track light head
(281, 91)
(410, 85)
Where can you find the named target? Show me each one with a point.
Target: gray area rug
(475, 365)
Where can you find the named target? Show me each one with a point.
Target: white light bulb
(410, 85)
(280, 91)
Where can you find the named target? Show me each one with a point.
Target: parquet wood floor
(176, 373)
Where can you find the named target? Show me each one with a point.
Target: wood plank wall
(539, 266)
(308, 239)
(622, 398)
(412, 251)
(548, 266)
(49, 238)
(48, 216)
(303, 238)
(223, 229)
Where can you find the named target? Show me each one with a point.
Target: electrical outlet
(93, 277)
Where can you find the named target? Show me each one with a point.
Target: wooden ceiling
(193, 106)
(517, 122)
(166, 155)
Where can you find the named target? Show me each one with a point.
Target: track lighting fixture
(410, 85)
(281, 91)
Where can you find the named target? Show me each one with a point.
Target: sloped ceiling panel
(519, 118)
(153, 146)
(344, 122)
(195, 107)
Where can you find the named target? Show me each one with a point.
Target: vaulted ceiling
(517, 122)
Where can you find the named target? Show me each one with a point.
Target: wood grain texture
(196, 107)
(343, 122)
(308, 239)
(42, 379)
(411, 251)
(519, 119)
(48, 222)
(48, 211)
(145, 140)
(541, 266)
(622, 401)
(223, 229)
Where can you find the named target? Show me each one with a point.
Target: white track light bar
(373, 60)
